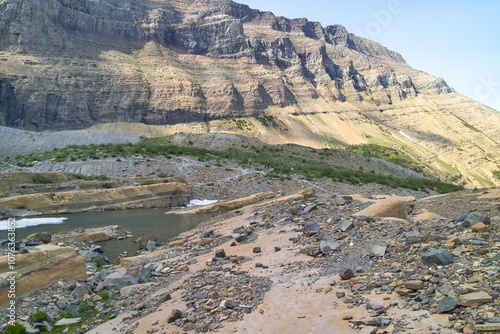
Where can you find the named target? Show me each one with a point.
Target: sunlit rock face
(75, 64)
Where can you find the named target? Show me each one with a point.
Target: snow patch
(26, 222)
(406, 136)
(198, 202)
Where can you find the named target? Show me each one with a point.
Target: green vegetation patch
(272, 121)
(40, 316)
(285, 161)
(40, 179)
(467, 125)
(449, 169)
(92, 177)
(385, 153)
(88, 314)
(15, 328)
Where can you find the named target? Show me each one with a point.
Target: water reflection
(139, 222)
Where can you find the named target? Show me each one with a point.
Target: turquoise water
(139, 222)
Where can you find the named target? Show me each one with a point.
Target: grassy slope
(286, 161)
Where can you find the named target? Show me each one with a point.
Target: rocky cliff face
(71, 64)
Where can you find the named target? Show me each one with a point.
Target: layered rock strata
(208, 66)
(39, 268)
(161, 195)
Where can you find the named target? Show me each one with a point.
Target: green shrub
(98, 264)
(66, 314)
(16, 328)
(40, 179)
(104, 295)
(40, 316)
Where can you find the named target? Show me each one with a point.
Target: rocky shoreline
(301, 265)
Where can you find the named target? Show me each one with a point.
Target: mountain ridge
(219, 66)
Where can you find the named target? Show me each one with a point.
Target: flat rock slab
(346, 225)
(67, 321)
(388, 208)
(488, 327)
(41, 267)
(327, 246)
(475, 298)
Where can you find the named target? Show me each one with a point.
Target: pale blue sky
(457, 40)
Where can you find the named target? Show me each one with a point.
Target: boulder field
(304, 264)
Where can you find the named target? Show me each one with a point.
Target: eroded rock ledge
(39, 268)
(164, 195)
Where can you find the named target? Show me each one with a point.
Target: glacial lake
(139, 222)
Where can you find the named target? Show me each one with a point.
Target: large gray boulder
(438, 257)
(125, 277)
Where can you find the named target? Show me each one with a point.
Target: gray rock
(479, 243)
(29, 329)
(229, 304)
(241, 238)
(414, 240)
(474, 218)
(438, 257)
(347, 199)
(368, 330)
(447, 304)
(62, 305)
(207, 234)
(31, 242)
(379, 250)
(142, 242)
(327, 246)
(445, 289)
(475, 298)
(309, 208)
(346, 225)
(43, 237)
(257, 250)
(67, 321)
(125, 277)
(151, 245)
(72, 308)
(174, 315)
(163, 297)
(220, 253)
(460, 217)
(79, 292)
(96, 249)
(311, 229)
(346, 273)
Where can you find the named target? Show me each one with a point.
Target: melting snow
(25, 222)
(405, 135)
(198, 202)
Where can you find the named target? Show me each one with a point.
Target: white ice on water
(26, 222)
(198, 202)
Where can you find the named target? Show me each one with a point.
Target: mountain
(165, 66)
